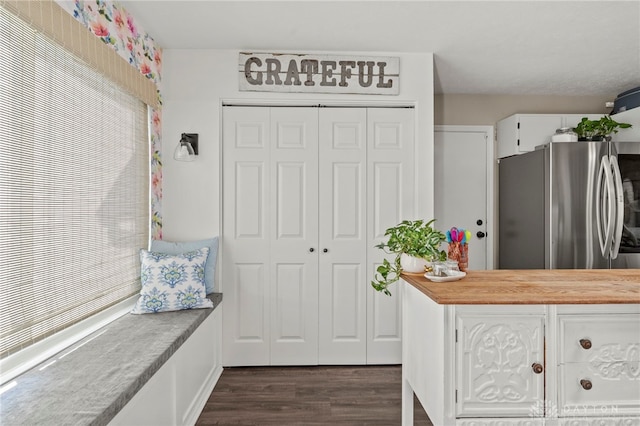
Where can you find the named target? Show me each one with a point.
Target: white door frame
(491, 173)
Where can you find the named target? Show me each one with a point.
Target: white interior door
(293, 249)
(246, 236)
(391, 199)
(343, 195)
(462, 185)
(270, 236)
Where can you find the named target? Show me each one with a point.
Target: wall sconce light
(187, 148)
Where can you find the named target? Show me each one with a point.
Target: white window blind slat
(74, 188)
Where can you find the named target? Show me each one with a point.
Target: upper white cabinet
(307, 194)
(631, 116)
(521, 133)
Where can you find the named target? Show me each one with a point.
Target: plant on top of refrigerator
(608, 125)
(597, 130)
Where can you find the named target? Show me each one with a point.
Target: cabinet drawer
(603, 388)
(589, 338)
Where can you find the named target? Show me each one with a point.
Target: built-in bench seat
(93, 381)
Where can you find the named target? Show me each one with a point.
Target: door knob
(586, 384)
(585, 343)
(537, 368)
(325, 250)
(311, 250)
(480, 234)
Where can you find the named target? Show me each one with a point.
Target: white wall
(195, 84)
(457, 109)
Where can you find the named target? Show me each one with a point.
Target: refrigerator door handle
(604, 174)
(619, 209)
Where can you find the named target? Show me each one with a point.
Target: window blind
(74, 188)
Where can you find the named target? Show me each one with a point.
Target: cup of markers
(458, 250)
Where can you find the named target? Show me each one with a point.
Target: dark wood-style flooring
(323, 395)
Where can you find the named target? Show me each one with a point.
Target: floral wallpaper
(116, 27)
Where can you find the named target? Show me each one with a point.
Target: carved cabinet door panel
(500, 365)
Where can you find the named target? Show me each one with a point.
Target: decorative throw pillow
(169, 247)
(172, 282)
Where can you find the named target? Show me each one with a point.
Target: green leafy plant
(608, 125)
(598, 129)
(414, 238)
(586, 129)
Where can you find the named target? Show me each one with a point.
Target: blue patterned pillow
(172, 282)
(171, 247)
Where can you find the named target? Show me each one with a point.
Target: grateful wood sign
(272, 72)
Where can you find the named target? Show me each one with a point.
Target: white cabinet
(631, 116)
(521, 133)
(513, 365)
(179, 390)
(307, 192)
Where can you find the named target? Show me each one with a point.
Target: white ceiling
(480, 47)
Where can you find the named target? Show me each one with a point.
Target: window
(74, 188)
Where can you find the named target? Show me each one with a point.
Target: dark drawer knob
(311, 250)
(537, 368)
(585, 343)
(586, 384)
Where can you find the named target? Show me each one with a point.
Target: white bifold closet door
(391, 198)
(307, 193)
(343, 282)
(270, 236)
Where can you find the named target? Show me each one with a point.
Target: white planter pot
(412, 265)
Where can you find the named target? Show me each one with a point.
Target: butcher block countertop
(534, 287)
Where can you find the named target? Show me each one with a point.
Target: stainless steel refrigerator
(570, 205)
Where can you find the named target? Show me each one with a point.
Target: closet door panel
(250, 206)
(249, 292)
(342, 230)
(345, 321)
(294, 239)
(290, 322)
(387, 196)
(346, 223)
(390, 164)
(245, 239)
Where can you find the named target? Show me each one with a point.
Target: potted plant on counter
(598, 130)
(415, 243)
